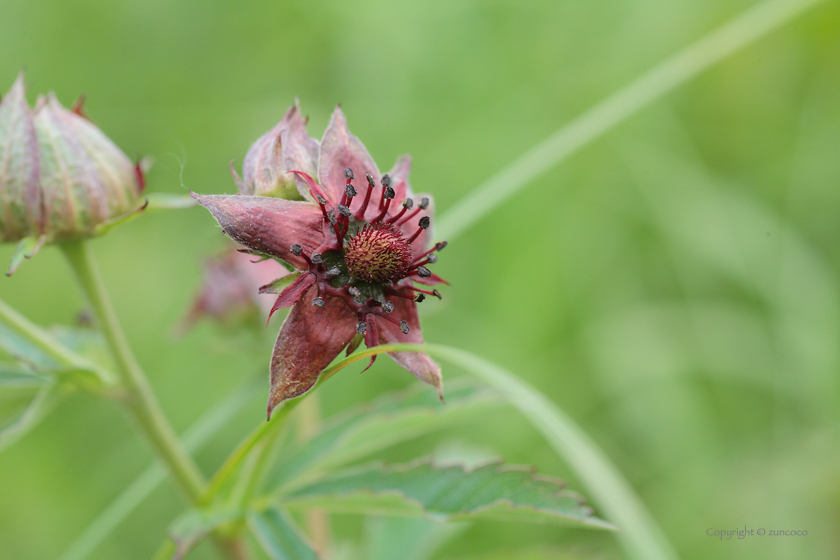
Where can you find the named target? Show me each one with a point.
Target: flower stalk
(139, 399)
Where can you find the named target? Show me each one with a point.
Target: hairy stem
(139, 399)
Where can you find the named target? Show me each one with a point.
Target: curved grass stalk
(669, 74)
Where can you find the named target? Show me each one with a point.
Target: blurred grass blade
(448, 493)
(639, 534)
(278, 536)
(15, 376)
(28, 418)
(406, 538)
(647, 88)
(194, 438)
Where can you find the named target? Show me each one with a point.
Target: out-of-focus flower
(357, 252)
(60, 177)
(228, 293)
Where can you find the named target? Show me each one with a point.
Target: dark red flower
(358, 250)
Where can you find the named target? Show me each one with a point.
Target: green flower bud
(61, 178)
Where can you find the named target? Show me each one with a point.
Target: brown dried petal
(308, 341)
(420, 365)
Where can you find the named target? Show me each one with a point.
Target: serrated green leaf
(447, 493)
(278, 536)
(386, 421)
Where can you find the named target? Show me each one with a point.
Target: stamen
(386, 182)
(388, 194)
(424, 224)
(317, 259)
(360, 213)
(406, 204)
(296, 250)
(388, 306)
(334, 271)
(348, 174)
(432, 259)
(350, 191)
(424, 203)
(422, 271)
(432, 293)
(344, 210)
(404, 327)
(361, 327)
(419, 297)
(318, 302)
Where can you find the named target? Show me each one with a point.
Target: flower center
(378, 253)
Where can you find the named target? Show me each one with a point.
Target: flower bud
(64, 179)
(286, 147)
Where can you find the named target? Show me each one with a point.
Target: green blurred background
(673, 286)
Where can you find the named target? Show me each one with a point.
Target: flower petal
(420, 365)
(309, 339)
(268, 225)
(399, 180)
(340, 149)
(284, 148)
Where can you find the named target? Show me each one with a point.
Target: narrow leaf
(29, 417)
(387, 421)
(15, 376)
(448, 493)
(278, 536)
(190, 528)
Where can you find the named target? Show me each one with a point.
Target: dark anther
(440, 245)
(424, 203)
(344, 210)
(422, 271)
(334, 271)
(321, 199)
(404, 327)
(386, 180)
(317, 259)
(371, 182)
(348, 173)
(424, 222)
(350, 191)
(389, 193)
(408, 203)
(437, 294)
(296, 249)
(419, 297)
(361, 327)
(388, 306)
(432, 259)
(331, 216)
(318, 302)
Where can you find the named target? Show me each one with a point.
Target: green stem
(140, 400)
